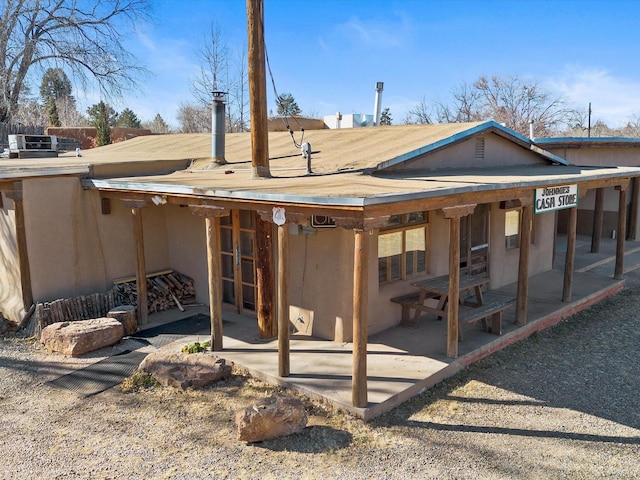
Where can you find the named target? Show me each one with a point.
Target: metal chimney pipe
(378, 104)
(217, 128)
(531, 130)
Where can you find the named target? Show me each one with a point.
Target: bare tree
(194, 118)
(213, 54)
(419, 114)
(238, 118)
(516, 103)
(85, 37)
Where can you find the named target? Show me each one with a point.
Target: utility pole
(258, 90)
(265, 301)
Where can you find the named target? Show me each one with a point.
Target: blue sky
(329, 54)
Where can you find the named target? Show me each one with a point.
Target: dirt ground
(562, 404)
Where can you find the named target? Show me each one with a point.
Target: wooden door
(237, 243)
(474, 242)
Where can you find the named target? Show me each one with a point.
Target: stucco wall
(187, 240)
(74, 249)
(600, 156)
(503, 263)
(10, 283)
(321, 282)
(497, 152)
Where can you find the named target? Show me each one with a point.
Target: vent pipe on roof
(531, 130)
(217, 128)
(378, 104)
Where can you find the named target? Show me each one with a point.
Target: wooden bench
(493, 306)
(408, 302)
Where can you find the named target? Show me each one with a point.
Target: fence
(7, 129)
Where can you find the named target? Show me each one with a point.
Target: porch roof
(356, 189)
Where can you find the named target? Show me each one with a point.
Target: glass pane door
(237, 240)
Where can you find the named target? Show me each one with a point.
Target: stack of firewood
(165, 290)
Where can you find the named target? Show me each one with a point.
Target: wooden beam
(459, 210)
(141, 274)
(21, 244)
(622, 227)
(257, 89)
(215, 282)
(526, 215)
(454, 283)
(598, 216)
(283, 301)
(572, 222)
(360, 318)
(265, 307)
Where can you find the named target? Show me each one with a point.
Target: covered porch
(402, 362)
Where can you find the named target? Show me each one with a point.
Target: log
(126, 315)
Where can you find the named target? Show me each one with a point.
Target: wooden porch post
(283, 302)
(598, 215)
(212, 216)
(454, 283)
(523, 265)
(622, 232)
(265, 308)
(570, 254)
(633, 208)
(454, 214)
(360, 318)
(141, 272)
(215, 282)
(21, 244)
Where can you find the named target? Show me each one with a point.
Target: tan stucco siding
(468, 154)
(504, 264)
(321, 281)
(74, 249)
(10, 286)
(187, 242)
(601, 156)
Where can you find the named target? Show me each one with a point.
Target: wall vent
(479, 153)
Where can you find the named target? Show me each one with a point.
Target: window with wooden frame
(402, 247)
(512, 228)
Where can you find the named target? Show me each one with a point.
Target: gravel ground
(562, 404)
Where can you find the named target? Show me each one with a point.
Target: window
(512, 229)
(402, 247)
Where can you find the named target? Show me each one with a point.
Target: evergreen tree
(158, 125)
(103, 117)
(287, 105)
(128, 119)
(52, 113)
(385, 117)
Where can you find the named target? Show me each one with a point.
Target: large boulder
(184, 370)
(272, 417)
(76, 338)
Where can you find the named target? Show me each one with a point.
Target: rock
(184, 370)
(275, 416)
(76, 338)
(126, 315)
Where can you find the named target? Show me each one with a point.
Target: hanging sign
(555, 198)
